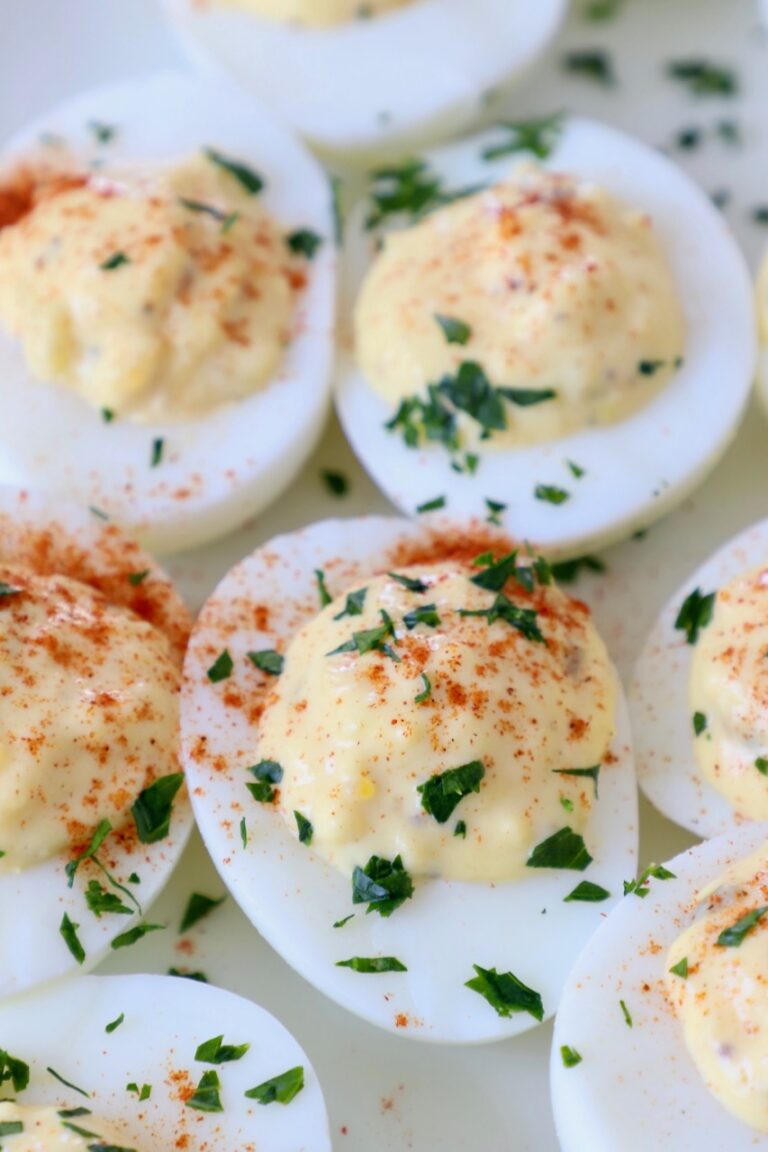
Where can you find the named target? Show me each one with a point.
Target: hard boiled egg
(671, 714)
(408, 971)
(52, 922)
(335, 82)
(158, 1062)
(621, 1073)
(588, 486)
(177, 482)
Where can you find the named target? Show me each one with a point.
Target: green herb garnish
(372, 964)
(336, 482)
(383, 885)
(267, 773)
(426, 692)
(523, 619)
(68, 931)
(280, 1089)
(116, 260)
(681, 968)
(100, 901)
(433, 505)
(115, 1024)
(640, 887)
(592, 64)
(425, 614)
(441, 794)
(734, 936)
(304, 242)
(198, 907)
(133, 935)
(696, 613)
(221, 669)
(304, 827)
(626, 1013)
(566, 571)
(505, 993)
(207, 1095)
(699, 723)
(216, 1052)
(372, 639)
(13, 1069)
(564, 849)
(551, 494)
(267, 660)
(569, 1056)
(246, 177)
(704, 78)
(153, 807)
(455, 331)
(537, 136)
(592, 773)
(588, 893)
(322, 591)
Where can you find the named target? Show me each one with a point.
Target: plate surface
(385, 1093)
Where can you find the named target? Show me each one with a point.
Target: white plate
(384, 1092)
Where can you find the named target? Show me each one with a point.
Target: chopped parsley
(495, 573)
(102, 831)
(100, 901)
(699, 723)
(592, 64)
(156, 457)
(13, 1069)
(409, 582)
(383, 885)
(354, 604)
(116, 260)
(8, 589)
(243, 832)
(626, 1013)
(322, 591)
(522, 619)
(133, 935)
(433, 505)
(588, 893)
(455, 331)
(566, 571)
(198, 907)
(495, 509)
(267, 773)
(640, 887)
(103, 133)
(600, 10)
(336, 482)
(703, 77)
(537, 136)
(551, 494)
(280, 1089)
(226, 219)
(68, 931)
(304, 827)
(153, 807)
(11, 1127)
(591, 773)
(441, 794)
(207, 1095)
(762, 765)
(569, 1056)
(304, 242)
(425, 614)
(221, 669)
(135, 579)
(214, 1051)
(372, 639)
(246, 177)
(372, 964)
(411, 189)
(267, 660)
(564, 849)
(505, 993)
(681, 968)
(143, 1093)
(114, 1024)
(460, 829)
(695, 613)
(185, 974)
(528, 397)
(426, 691)
(734, 936)
(575, 469)
(67, 1084)
(345, 920)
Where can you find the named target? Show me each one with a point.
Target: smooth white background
(386, 1093)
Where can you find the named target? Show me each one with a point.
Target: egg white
(403, 76)
(636, 470)
(33, 902)
(166, 1018)
(637, 1088)
(659, 707)
(293, 896)
(218, 470)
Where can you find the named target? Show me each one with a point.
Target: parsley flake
(215, 1052)
(681, 968)
(373, 964)
(221, 669)
(699, 723)
(734, 936)
(425, 614)
(591, 64)
(280, 1089)
(695, 613)
(115, 1024)
(198, 907)
(246, 177)
(207, 1095)
(640, 887)
(383, 885)
(505, 993)
(455, 331)
(267, 660)
(591, 773)
(569, 1056)
(703, 77)
(153, 807)
(116, 260)
(68, 931)
(304, 242)
(551, 494)
(587, 893)
(322, 591)
(336, 482)
(133, 935)
(433, 505)
(626, 1013)
(564, 849)
(267, 773)
(13, 1069)
(305, 829)
(537, 136)
(441, 794)
(426, 692)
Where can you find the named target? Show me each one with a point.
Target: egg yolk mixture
(43, 1129)
(526, 312)
(88, 714)
(723, 1001)
(762, 300)
(428, 716)
(156, 295)
(318, 13)
(728, 695)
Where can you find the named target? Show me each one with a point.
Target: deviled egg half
(166, 306)
(362, 77)
(410, 761)
(699, 691)
(532, 316)
(153, 1064)
(661, 1038)
(93, 809)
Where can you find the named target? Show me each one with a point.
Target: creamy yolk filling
(156, 295)
(44, 1129)
(728, 694)
(317, 13)
(359, 724)
(88, 714)
(564, 296)
(722, 1002)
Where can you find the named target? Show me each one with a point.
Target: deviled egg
(166, 306)
(660, 1039)
(528, 341)
(699, 690)
(93, 809)
(409, 759)
(326, 66)
(151, 1064)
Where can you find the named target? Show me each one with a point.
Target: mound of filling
(317, 13)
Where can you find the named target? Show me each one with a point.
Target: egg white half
(637, 1088)
(636, 470)
(166, 1018)
(33, 902)
(218, 470)
(294, 897)
(667, 770)
(422, 70)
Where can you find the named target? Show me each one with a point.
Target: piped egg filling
(154, 293)
(447, 714)
(88, 714)
(728, 692)
(718, 985)
(519, 314)
(317, 13)
(43, 1129)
